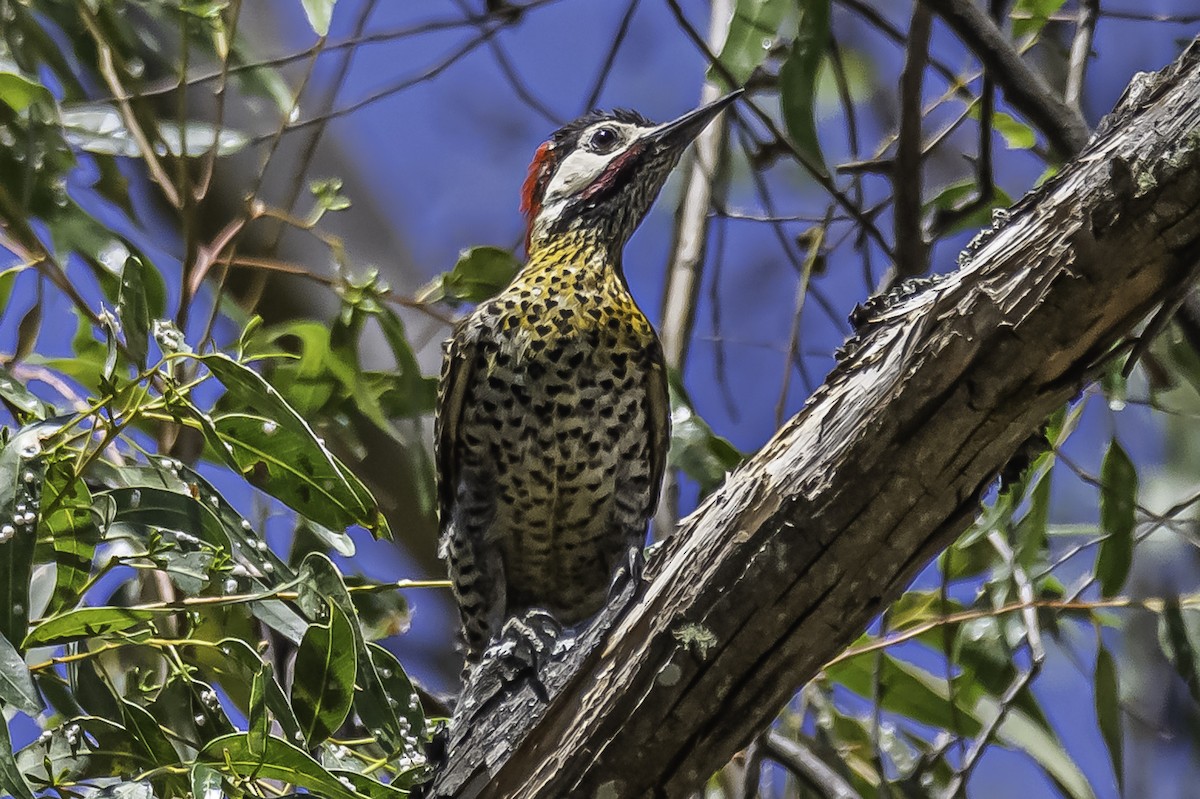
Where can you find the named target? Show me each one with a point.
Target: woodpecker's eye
(603, 140)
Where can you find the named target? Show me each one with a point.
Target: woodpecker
(553, 418)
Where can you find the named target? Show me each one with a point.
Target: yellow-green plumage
(552, 440)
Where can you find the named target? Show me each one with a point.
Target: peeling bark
(784, 566)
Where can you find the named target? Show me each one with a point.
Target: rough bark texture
(782, 568)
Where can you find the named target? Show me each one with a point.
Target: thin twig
(1081, 51)
(807, 767)
(1023, 87)
(686, 264)
(912, 251)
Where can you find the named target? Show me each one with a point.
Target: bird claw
(628, 574)
(526, 644)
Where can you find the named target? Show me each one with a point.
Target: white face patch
(585, 164)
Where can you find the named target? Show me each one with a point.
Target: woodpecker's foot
(629, 575)
(525, 646)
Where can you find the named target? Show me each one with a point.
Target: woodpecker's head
(603, 171)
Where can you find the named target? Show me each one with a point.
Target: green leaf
(16, 684)
(73, 527)
(695, 449)
(479, 274)
(1034, 525)
(206, 783)
(328, 194)
(278, 760)
(323, 676)
(1178, 641)
(754, 27)
(256, 450)
(21, 398)
(169, 510)
(1017, 135)
(1108, 713)
(108, 751)
(134, 310)
(19, 92)
(90, 623)
(399, 689)
(151, 741)
(292, 468)
(957, 195)
(238, 666)
(915, 693)
(319, 13)
(323, 583)
(8, 279)
(11, 780)
(1030, 16)
(21, 475)
(798, 79)
(1118, 504)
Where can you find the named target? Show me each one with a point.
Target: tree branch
(1062, 123)
(780, 569)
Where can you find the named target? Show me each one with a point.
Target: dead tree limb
(779, 571)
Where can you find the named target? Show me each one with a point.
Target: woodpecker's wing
(658, 424)
(452, 390)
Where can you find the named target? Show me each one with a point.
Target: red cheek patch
(534, 187)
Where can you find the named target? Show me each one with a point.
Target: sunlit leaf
(798, 79)
(323, 676)
(20, 397)
(206, 783)
(1118, 505)
(278, 760)
(90, 622)
(323, 583)
(293, 469)
(319, 13)
(98, 128)
(1030, 16)
(151, 742)
(242, 665)
(752, 31)
(21, 476)
(109, 751)
(134, 310)
(73, 529)
(19, 92)
(957, 195)
(16, 684)
(911, 691)
(695, 449)
(256, 450)
(479, 274)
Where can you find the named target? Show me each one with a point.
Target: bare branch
(1026, 91)
(912, 251)
(1081, 51)
(808, 767)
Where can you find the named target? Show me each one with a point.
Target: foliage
(147, 627)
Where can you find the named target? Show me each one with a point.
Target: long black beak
(679, 132)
